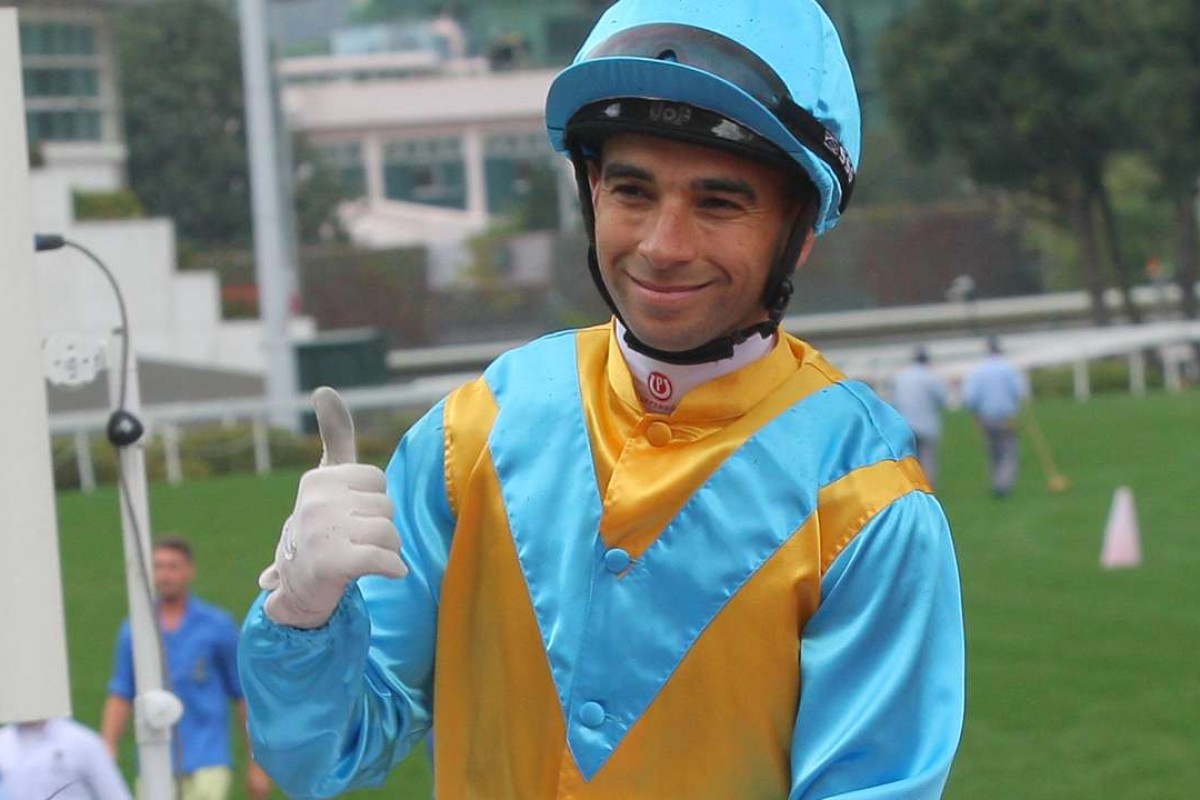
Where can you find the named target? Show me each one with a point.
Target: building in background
(72, 105)
(73, 125)
(435, 142)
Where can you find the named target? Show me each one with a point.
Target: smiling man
(675, 555)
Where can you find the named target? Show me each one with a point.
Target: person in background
(57, 758)
(919, 394)
(994, 391)
(675, 555)
(200, 644)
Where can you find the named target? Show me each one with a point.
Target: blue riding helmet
(775, 67)
(766, 79)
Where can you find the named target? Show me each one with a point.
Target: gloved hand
(340, 529)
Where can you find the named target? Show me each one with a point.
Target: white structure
(72, 108)
(435, 155)
(33, 671)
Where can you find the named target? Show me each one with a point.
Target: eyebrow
(620, 170)
(617, 170)
(726, 186)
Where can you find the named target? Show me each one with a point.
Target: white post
(372, 165)
(170, 436)
(1137, 373)
(83, 460)
(153, 740)
(1083, 385)
(472, 156)
(33, 669)
(262, 446)
(1172, 374)
(270, 223)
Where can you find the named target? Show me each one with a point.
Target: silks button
(658, 433)
(617, 560)
(591, 714)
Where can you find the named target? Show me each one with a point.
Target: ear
(593, 173)
(810, 239)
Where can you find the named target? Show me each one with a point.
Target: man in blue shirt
(200, 644)
(994, 391)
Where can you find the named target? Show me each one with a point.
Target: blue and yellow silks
(754, 597)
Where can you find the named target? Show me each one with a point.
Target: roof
(418, 102)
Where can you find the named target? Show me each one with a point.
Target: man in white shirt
(57, 758)
(919, 394)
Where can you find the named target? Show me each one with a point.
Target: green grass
(1081, 681)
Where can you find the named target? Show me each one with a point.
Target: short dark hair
(173, 541)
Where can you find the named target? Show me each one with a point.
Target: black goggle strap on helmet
(725, 58)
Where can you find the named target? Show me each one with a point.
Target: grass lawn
(1081, 682)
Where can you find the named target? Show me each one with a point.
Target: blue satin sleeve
(882, 664)
(337, 707)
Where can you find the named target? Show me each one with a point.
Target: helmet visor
(720, 56)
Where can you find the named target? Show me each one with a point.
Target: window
(72, 82)
(346, 160)
(512, 163)
(63, 126)
(57, 39)
(426, 171)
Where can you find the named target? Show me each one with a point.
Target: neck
(171, 611)
(661, 385)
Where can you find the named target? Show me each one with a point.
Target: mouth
(668, 290)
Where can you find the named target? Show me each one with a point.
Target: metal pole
(152, 723)
(170, 436)
(83, 460)
(262, 446)
(33, 667)
(270, 223)
(1083, 386)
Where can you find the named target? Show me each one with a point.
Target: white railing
(1175, 342)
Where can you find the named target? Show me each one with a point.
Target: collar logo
(660, 386)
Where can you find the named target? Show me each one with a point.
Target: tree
(181, 77)
(1164, 102)
(1026, 93)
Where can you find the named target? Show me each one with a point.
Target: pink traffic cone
(1122, 545)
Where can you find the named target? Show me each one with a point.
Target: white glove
(340, 529)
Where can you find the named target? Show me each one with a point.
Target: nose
(669, 238)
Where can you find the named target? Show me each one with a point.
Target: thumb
(269, 579)
(335, 427)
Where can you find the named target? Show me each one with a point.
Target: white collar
(660, 386)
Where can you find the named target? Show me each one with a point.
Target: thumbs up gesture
(340, 529)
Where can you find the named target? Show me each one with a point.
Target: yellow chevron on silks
(532, 627)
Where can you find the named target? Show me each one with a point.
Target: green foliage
(1163, 94)
(1078, 101)
(318, 191)
(180, 69)
(180, 66)
(121, 204)
(539, 209)
(1021, 89)
(1107, 376)
(213, 450)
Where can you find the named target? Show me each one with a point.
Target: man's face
(685, 237)
(173, 573)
